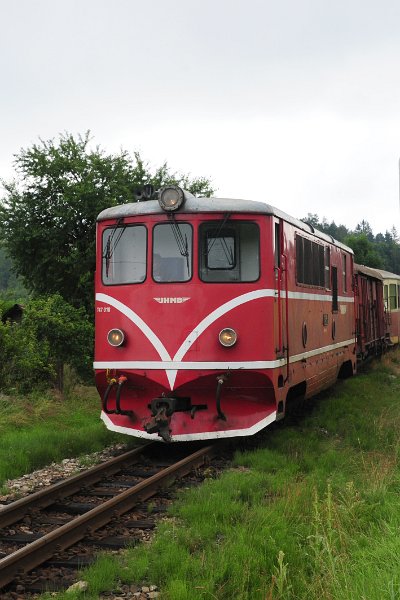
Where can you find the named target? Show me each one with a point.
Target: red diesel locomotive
(212, 314)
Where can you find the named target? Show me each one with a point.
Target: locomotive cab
(185, 287)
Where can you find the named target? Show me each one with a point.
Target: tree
(381, 251)
(389, 248)
(339, 232)
(312, 219)
(364, 250)
(5, 270)
(48, 215)
(365, 228)
(10, 285)
(394, 234)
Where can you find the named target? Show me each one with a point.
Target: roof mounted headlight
(171, 198)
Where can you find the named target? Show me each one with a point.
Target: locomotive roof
(210, 205)
(378, 273)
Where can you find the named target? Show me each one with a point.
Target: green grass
(39, 429)
(313, 514)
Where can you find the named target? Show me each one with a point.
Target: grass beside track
(42, 428)
(313, 513)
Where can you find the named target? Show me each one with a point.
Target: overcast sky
(295, 103)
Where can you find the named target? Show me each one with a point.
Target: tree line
(380, 251)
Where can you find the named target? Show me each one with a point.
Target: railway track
(96, 498)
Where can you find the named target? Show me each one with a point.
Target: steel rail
(37, 552)
(17, 510)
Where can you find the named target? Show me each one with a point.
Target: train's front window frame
(229, 252)
(124, 254)
(172, 252)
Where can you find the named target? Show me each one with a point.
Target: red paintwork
(393, 318)
(266, 326)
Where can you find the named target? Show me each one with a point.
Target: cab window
(172, 252)
(229, 251)
(124, 254)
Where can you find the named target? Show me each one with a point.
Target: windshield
(124, 254)
(172, 252)
(230, 252)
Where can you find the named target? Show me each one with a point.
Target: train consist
(213, 314)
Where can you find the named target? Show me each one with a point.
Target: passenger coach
(212, 314)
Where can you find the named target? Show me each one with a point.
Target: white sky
(295, 102)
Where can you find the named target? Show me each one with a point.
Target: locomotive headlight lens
(115, 337)
(171, 198)
(228, 337)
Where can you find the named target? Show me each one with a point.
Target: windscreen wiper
(181, 241)
(110, 249)
(227, 251)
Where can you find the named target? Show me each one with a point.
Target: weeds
(280, 579)
(313, 514)
(323, 540)
(39, 429)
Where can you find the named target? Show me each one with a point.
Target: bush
(52, 333)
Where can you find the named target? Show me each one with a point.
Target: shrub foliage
(52, 333)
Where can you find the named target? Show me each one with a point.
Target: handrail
(279, 275)
(287, 317)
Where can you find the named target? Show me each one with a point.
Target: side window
(300, 275)
(277, 241)
(386, 295)
(335, 306)
(327, 267)
(344, 266)
(392, 296)
(311, 260)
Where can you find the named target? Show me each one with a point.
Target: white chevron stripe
(193, 335)
(173, 365)
(218, 312)
(134, 317)
(189, 437)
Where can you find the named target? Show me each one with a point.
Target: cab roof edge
(194, 204)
